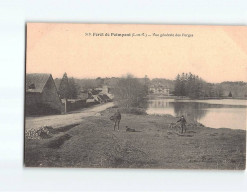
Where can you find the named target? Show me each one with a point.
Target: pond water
(226, 113)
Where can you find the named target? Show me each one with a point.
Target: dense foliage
(193, 86)
(67, 88)
(129, 92)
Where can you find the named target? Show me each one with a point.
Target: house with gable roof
(41, 95)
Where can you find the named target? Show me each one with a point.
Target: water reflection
(217, 114)
(193, 111)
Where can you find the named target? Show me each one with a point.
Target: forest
(191, 85)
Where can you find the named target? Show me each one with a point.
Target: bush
(130, 95)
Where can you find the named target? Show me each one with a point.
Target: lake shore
(154, 96)
(94, 143)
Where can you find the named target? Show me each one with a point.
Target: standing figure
(182, 122)
(116, 118)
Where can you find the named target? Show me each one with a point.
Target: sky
(215, 53)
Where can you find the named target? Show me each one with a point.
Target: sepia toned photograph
(135, 96)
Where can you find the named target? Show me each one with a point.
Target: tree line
(185, 84)
(191, 85)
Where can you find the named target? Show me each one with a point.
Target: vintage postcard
(135, 96)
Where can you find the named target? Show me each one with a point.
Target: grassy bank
(93, 143)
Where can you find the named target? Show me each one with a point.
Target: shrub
(130, 95)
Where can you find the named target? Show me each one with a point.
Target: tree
(182, 85)
(99, 82)
(146, 83)
(177, 88)
(193, 89)
(129, 92)
(219, 91)
(73, 88)
(190, 85)
(230, 94)
(64, 89)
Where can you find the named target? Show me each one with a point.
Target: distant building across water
(159, 90)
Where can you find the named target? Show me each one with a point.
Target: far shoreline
(188, 98)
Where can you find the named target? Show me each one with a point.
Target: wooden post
(65, 106)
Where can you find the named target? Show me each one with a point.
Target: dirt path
(66, 119)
